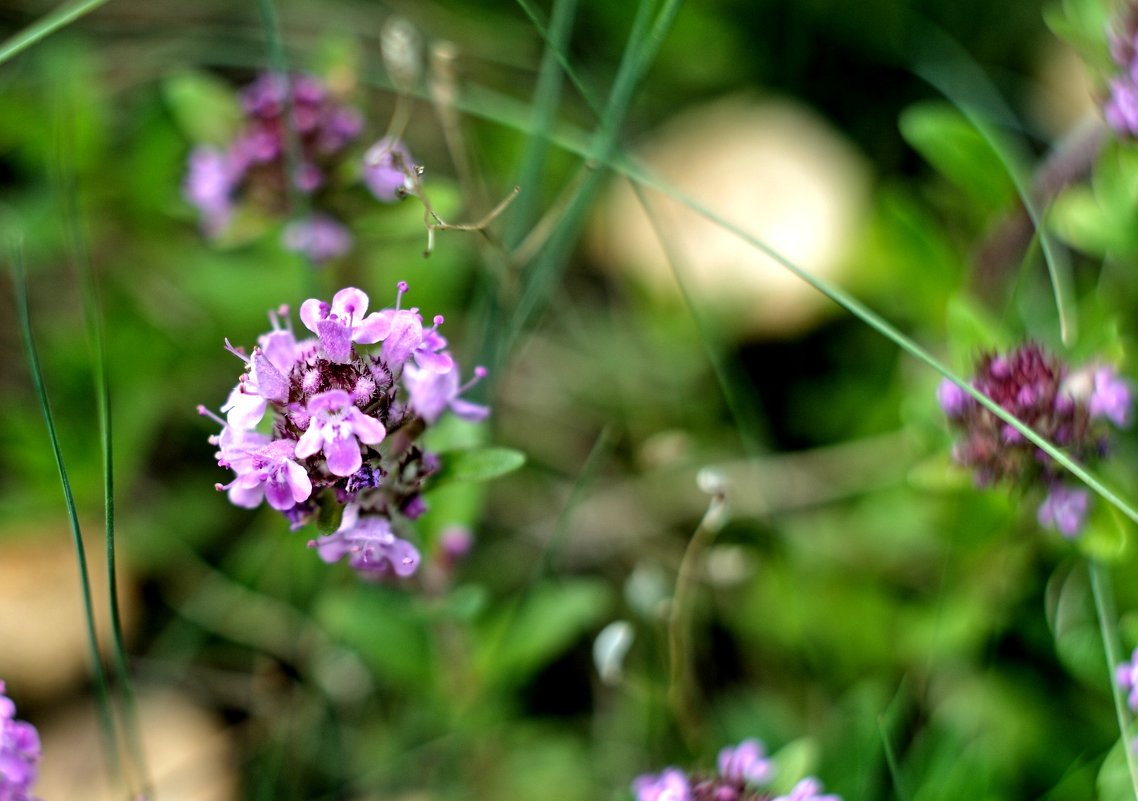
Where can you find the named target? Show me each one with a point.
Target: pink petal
(343, 455)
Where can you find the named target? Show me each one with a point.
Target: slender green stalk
(44, 27)
(1104, 608)
(643, 43)
(546, 98)
(738, 403)
(102, 695)
(560, 52)
(680, 691)
(953, 73)
(601, 448)
(97, 337)
(293, 157)
(891, 760)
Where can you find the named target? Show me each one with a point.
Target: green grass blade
(102, 694)
(298, 204)
(97, 337)
(49, 24)
(643, 43)
(546, 99)
(1104, 609)
(883, 327)
(953, 73)
(740, 402)
(560, 52)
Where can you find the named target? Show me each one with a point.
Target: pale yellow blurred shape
(188, 751)
(42, 624)
(776, 169)
(1064, 95)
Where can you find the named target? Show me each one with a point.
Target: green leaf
(1114, 782)
(1108, 535)
(958, 151)
(971, 331)
(205, 108)
(1078, 219)
(477, 464)
(330, 512)
(545, 622)
(1071, 617)
(385, 627)
(793, 762)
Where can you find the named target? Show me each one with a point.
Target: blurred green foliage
(873, 617)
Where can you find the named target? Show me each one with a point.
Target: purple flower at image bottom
(19, 753)
(671, 784)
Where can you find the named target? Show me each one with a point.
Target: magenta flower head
(252, 170)
(743, 770)
(1073, 409)
(671, 784)
(19, 753)
(327, 426)
(388, 170)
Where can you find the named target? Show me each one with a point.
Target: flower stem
(1104, 608)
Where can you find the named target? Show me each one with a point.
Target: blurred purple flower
(1110, 397)
(671, 784)
(953, 400)
(745, 763)
(208, 187)
(1064, 509)
(318, 237)
(19, 753)
(387, 170)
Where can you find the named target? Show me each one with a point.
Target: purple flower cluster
(743, 771)
(19, 753)
(1121, 107)
(253, 167)
(320, 427)
(1070, 408)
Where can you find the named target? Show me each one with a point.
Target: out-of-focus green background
(865, 611)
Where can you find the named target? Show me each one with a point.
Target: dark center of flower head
(717, 788)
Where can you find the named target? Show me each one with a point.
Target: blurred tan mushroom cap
(774, 168)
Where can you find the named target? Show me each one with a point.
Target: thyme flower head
(325, 428)
(1075, 409)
